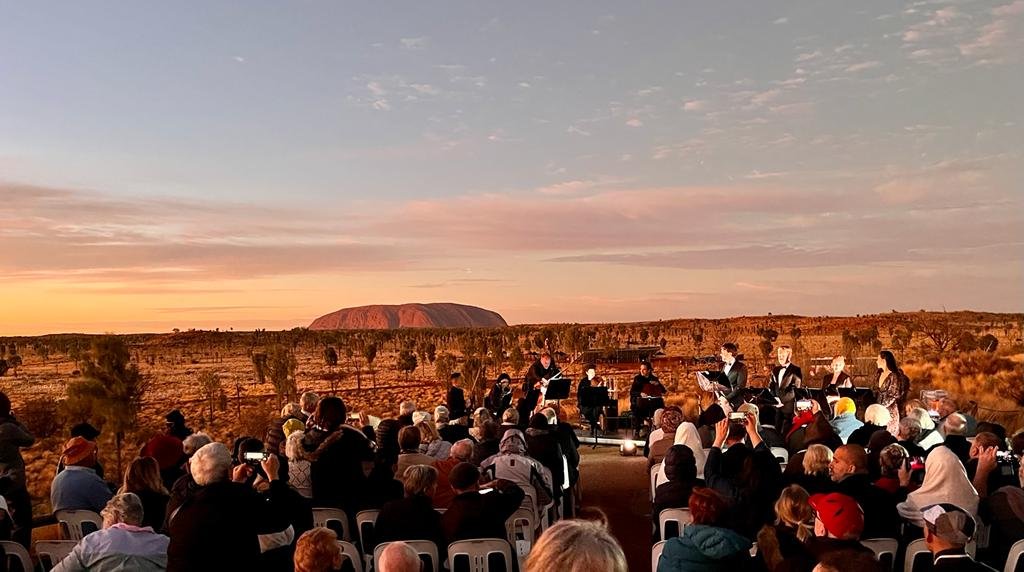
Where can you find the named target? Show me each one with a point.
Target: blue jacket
(703, 548)
(79, 488)
(845, 425)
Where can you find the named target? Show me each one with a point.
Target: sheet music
(708, 385)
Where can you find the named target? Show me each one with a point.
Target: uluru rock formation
(382, 317)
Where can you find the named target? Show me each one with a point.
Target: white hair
(291, 410)
(441, 414)
(418, 416)
(399, 557)
(293, 445)
(406, 407)
(877, 415)
(955, 424)
(922, 416)
(210, 464)
(125, 507)
(193, 442)
(308, 401)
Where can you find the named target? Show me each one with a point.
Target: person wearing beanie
(477, 512)
(838, 524)
(947, 530)
(176, 425)
(845, 421)
(78, 487)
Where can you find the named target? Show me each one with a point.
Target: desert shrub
(986, 384)
(41, 418)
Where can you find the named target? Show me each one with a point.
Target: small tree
(330, 356)
(988, 342)
(370, 354)
(444, 365)
(259, 365)
(406, 362)
(210, 388)
(281, 365)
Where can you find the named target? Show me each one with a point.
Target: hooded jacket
(703, 548)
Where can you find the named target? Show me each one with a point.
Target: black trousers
(644, 408)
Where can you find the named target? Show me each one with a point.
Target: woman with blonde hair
(431, 442)
(577, 546)
(794, 524)
(815, 477)
(142, 477)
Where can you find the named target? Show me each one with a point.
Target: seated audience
(480, 416)
(908, 434)
(945, 480)
(949, 406)
(169, 454)
(489, 442)
(176, 425)
(658, 433)
(849, 470)
(748, 478)
(706, 424)
(576, 546)
(688, 435)
(947, 530)
(399, 557)
(681, 472)
(567, 440)
(307, 405)
(450, 432)
(123, 543)
(815, 477)
(431, 443)
(462, 452)
(542, 445)
(816, 429)
(298, 464)
(413, 517)
(317, 550)
(143, 478)
(512, 464)
(768, 432)
(706, 544)
(876, 418)
(509, 420)
(274, 437)
(409, 455)
(838, 524)
(845, 421)
(405, 411)
(1003, 511)
(193, 442)
(794, 524)
(954, 429)
(930, 436)
(473, 514)
(78, 487)
(880, 440)
(338, 455)
(891, 460)
(844, 560)
(218, 526)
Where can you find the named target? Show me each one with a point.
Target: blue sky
(746, 157)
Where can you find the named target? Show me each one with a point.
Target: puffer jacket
(845, 425)
(703, 548)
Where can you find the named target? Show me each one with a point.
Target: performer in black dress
(500, 397)
(535, 381)
(837, 377)
(645, 396)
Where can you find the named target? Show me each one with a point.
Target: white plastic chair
(324, 516)
(781, 454)
(53, 550)
(654, 478)
(366, 520)
(680, 516)
(885, 550)
(422, 547)
(71, 523)
(16, 551)
(656, 551)
(1014, 557)
(479, 551)
(521, 522)
(914, 550)
(349, 551)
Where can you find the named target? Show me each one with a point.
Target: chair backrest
(350, 552)
(654, 478)
(917, 552)
(479, 552)
(50, 552)
(325, 517)
(422, 547)
(656, 551)
(441, 510)
(677, 517)
(76, 524)
(521, 523)
(781, 453)
(1013, 559)
(15, 551)
(366, 520)
(885, 550)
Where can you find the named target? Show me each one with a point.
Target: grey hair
(210, 464)
(406, 407)
(463, 450)
(293, 446)
(194, 442)
(308, 401)
(124, 507)
(877, 415)
(910, 428)
(922, 416)
(955, 424)
(291, 410)
(441, 414)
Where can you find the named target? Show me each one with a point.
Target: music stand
(557, 389)
(599, 399)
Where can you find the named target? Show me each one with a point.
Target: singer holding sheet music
(645, 396)
(736, 371)
(786, 379)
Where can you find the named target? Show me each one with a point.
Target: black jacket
(792, 379)
(336, 471)
(410, 518)
(542, 445)
(476, 515)
(737, 383)
(827, 383)
(881, 520)
(862, 435)
(456, 403)
(216, 527)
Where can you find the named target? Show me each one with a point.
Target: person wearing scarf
(671, 418)
(687, 435)
(945, 480)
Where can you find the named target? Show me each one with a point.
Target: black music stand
(557, 389)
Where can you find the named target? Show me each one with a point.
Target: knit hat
(77, 450)
(292, 425)
(85, 430)
(175, 417)
(166, 449)
(842, 516)
(949, 522)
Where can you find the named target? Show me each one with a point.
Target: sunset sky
(257, 164)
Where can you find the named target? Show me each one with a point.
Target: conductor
(645, 396)
(736, 371)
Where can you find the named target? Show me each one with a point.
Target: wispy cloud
(417, 43)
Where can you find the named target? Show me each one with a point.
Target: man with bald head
(399, 557)
(849, 470)
(461, 452)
